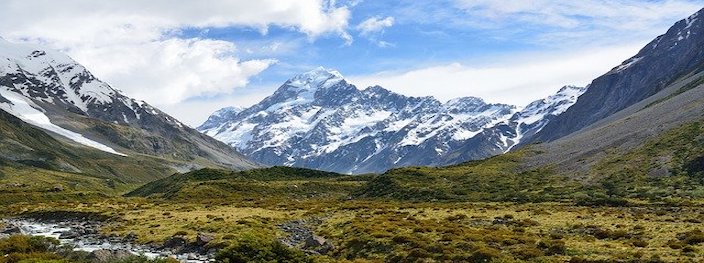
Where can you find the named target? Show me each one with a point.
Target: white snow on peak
(316, 79)
(221, 113)
(29, 112)
(533, 117)
(554, 104)
(305, 85)
(35, 61)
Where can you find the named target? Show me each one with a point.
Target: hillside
(276, 183)
(657, 66)
(51, 91)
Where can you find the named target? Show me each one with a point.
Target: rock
(314, 241)
(106, 255)
(318, 244)
(132, 236)
(203, 239)
(11, 230)
(71, 234)
(57, 188)
(659, 172)
(175, 242)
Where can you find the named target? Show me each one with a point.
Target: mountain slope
(23, 147)
(51, 91)
(667, 58)
(318, 120)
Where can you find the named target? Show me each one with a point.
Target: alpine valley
(323, 171)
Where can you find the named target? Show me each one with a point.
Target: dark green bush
(255, 250)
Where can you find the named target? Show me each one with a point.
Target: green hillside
(273, 183)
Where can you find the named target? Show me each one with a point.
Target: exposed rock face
(318, 120)
(667, 58)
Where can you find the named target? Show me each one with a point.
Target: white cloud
(553, 23)
(170, 71)
(134, 44)
(619, 14)
(195, 112)
(373, 28)
(515, 80)
(374, 25)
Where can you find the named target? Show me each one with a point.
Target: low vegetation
(645, 205)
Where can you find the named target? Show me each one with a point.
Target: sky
(190, 58)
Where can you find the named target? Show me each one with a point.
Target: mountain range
(319, 120)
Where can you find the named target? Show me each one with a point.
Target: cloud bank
(136, 45)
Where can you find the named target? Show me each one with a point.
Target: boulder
(175, 242)
(12, 230)
(57, 188)
(203, 239)
(318, 244)
(71, 234)
(130, 237)
(314, 241)
(106, 255)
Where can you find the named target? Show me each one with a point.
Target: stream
(85, 236)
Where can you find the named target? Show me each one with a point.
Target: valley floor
(374, 231)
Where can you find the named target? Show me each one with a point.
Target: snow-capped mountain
(318, 120)
(537, 114)
(519, 129)
(49, 90)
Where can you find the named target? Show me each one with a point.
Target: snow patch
(27, 111)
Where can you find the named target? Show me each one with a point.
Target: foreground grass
(371, 231)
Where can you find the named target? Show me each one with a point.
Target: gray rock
(132, 236)
(203, 239)
(57, 188)
(176, 242)
(106, 255)
(659, 172)
(71, 234)
(11, 230)
(314, 241)
(318, 244)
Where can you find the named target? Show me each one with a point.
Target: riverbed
(85, 236)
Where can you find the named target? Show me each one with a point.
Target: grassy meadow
(495, 210)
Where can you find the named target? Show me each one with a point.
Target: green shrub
(255, 250)
(640, 243)
(485, 254)
(693, 237)
(553, 247)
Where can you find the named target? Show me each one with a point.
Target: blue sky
(191, 59)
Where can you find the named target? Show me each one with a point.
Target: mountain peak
(316, 78)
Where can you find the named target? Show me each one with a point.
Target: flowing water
(92, 242)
